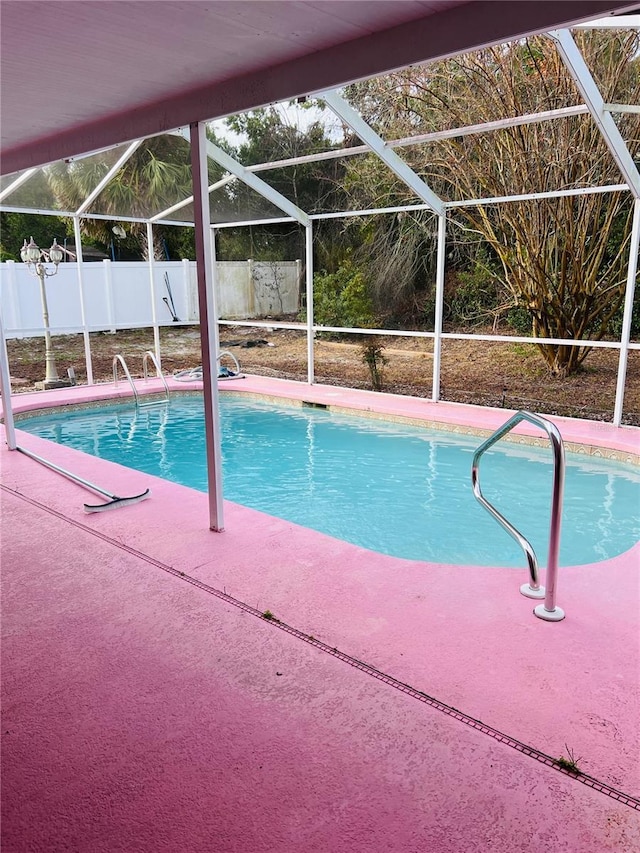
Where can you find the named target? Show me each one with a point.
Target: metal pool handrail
(547, 611)
(145, 358)
(118, 358)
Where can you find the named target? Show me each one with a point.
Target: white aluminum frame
(83, 312)
(5, 391)
(309, 301)
(19, 181)
(594, 106)
(113, 171)
(239, 171)
(152, 295)
(634, 251)
(577, 67)
(378, 146)
(187, 201)
(439, 309)
(622, 108)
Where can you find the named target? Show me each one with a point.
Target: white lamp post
(35, 259)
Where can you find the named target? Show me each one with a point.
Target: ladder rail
(149, 354)
(549, 610)
(120, 359)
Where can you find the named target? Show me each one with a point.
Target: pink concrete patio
(148, 706)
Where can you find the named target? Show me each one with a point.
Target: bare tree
(564, 259)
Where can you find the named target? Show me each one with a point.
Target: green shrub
(475, 295)
(341, 299)
(520, 320)
(615, 326)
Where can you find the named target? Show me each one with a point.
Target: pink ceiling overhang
(77, 77)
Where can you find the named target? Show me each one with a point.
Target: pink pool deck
(390, 705)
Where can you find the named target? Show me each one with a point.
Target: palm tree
(156, 176)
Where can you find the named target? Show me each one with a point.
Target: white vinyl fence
(118, 295)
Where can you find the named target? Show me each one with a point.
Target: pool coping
(589, 438)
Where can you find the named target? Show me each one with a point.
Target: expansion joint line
(368, 669)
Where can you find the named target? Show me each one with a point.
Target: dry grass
(494, 374)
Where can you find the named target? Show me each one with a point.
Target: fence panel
(117, 294)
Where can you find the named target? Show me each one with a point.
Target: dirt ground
(512, 375)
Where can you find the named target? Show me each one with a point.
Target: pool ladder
(548, 611)
(119, 359)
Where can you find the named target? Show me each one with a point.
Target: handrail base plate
(529, 592)
(555, 615)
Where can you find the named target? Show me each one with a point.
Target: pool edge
(589, 438)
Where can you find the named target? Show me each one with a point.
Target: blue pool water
(399, 490)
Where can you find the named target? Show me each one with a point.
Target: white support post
(83, 311)
(577, 67)
(215, 285)
(309, 287)
(5, 390)
(15, 317)
(251, 289)
(632, 271)
(152, 291)
(208, 322)
(437, 323)
(186, 287)
(108, 286)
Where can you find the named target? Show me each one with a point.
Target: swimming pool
(396, 489)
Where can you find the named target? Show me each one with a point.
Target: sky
(291, 113)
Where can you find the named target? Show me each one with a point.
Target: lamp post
(35, 259)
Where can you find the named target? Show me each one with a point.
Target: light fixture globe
(24, 252)
(55, 252)
(32, 252)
